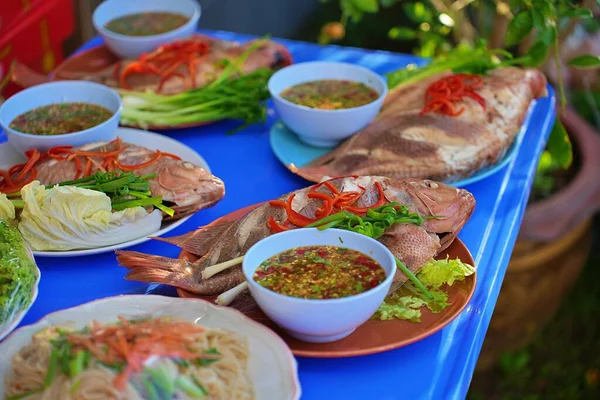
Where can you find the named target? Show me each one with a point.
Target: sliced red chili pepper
(274, 226)
(379, 203)
(277, 203)
(157, 155)
(295, 217)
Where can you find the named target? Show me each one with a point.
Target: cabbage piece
(436, 273)
(7, 209)
(69, 218)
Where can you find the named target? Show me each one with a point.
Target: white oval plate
(273, 368)
(18, 317)
(151, 140)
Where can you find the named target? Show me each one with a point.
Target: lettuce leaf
(7, 209)
(407, 302)
(436, 273)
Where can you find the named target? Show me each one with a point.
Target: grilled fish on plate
(403, 142)
(217, 243)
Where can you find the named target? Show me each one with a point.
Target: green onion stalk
(125, 190)
(232, 95)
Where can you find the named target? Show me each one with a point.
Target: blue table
(439, 367)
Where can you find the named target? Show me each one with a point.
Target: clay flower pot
(551, 250)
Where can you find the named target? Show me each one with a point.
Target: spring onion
(232, 95)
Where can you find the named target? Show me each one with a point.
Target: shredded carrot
(443, 94)
(331, 202)
(133, 343)
(165, 61)
(86, 163)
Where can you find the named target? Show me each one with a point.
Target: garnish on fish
(413, 244)
(188, 187)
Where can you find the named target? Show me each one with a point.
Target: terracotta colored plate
(77, 66)
(373, 336)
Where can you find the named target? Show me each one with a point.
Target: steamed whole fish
(188, 187)
(268, 55)
(404, 143)
(217, 243)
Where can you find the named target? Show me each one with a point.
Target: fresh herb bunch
(233, 95)
(125, 189)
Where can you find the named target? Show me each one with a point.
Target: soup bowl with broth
(326, 102)
(66, 113)
(130, 28)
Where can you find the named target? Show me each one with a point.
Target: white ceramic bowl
(133, 46)
(325, 128)
(318, 320)
(61, 92)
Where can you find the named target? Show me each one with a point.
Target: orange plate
(373, 336)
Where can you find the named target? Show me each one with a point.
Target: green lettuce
(17, 273)
(407, 302)
(7, 209)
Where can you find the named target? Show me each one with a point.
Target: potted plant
(554, 239)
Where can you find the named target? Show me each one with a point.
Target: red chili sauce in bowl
(319, 272)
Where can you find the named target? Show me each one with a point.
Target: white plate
(273, 368)
(153, 141)
(18, 317)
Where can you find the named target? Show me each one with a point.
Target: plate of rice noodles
(147, 347)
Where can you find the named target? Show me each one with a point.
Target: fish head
(451, 207)
(188, 186)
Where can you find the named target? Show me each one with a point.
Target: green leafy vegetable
(436, 273)
(17, 273)
(519, 27)
(407, 302)
(585, 61)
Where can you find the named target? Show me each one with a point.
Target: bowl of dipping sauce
(319, 286)
(130, 28)
(67, 113)
(327, 102)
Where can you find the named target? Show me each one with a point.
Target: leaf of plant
(417, 12)
(350, 10)
(585, 61)
(369, 6)
(518, 28)
(577, 13)
(388, 3)
(537, 54)
(559, 146)
(402, 33)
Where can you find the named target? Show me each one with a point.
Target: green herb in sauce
(330, 94)
(320, 272)
(146, 23)
(61, 118)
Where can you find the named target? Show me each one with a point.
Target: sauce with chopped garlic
(146, 23)
(320, 272)
(61, 118)
(330, 94)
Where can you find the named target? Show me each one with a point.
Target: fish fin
(157, 269)
(312, 174)
(198, 242)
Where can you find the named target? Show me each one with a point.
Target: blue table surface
(439, 367)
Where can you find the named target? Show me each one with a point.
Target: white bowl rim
(360, 68)
(356, 297)
(116, 114)
(140, 39)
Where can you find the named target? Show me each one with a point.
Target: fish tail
(156, 269)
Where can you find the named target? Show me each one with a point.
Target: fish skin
(414, 245)
(400, 143)
(189, 187)
(270, 55)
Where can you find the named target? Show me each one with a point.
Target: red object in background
(34, 37)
